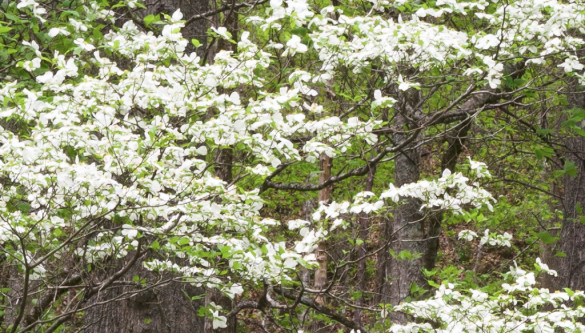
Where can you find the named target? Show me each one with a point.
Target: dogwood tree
(110, 129)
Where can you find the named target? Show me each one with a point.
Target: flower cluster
(520, 307)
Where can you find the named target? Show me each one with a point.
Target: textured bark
(320, 281)
(305, 273)
(408, 229)
(215, 296)
(404, 231)
(223, 170)
(224, 160)
(571, 268)
(167, 308)
(13, 280)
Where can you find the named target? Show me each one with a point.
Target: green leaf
(570, 168)
(546, 237)
(544, 152)
(58, 232)
(97, 34)
(24, 207)
(183, 241)
(4, 29)
(148, 19)
(14, 18)
(301, 31)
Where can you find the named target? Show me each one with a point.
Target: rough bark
(305, 273)
(167, 308)
(223, 170)
(320, 281)
(571, 268)
(408, 229)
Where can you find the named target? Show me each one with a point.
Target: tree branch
(44, 302)
(268, 183)
(223, 9)
(331, 313)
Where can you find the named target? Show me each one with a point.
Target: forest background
(275, 166)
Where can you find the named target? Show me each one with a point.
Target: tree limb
(331, 313)
(223, 9)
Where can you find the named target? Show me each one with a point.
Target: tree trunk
(408, 229)
(164, 309)
(320, 281)
(571, 268)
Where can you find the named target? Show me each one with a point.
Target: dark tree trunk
(320, 280)
(408, 229)
(165, 309)
(571, 268)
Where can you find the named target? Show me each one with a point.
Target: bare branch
(331, 313)
(223, 9)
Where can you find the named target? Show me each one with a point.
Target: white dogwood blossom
(108, 142)
(453, 310)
